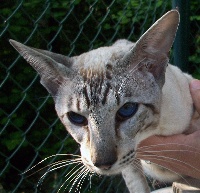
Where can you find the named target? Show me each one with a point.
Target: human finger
(195, 92)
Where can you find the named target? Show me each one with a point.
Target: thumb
(195, 92)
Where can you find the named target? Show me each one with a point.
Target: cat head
(108, 97)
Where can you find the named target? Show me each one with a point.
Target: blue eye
(127, 111)
(77, 119)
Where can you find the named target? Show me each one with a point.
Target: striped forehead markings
(108, 87)
(94, 87)
(85, 94)
(96, 91)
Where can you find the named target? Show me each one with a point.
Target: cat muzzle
(104, 166)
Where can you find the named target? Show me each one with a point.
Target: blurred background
(29, 128)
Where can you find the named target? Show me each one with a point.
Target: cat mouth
(101, 170)
(107, 172)
(111, 169)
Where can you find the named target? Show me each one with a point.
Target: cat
(111, 98)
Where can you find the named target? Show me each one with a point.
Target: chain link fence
(29, 128)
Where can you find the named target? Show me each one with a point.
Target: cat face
(109, 98)
(104, 107)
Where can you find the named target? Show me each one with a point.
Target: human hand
(179, 153)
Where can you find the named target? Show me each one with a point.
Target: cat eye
(127, 111)
(77, 119)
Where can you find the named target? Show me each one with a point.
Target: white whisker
(81, 179)
(49, 158)
(81, 176)
(172, 159)
(178, 144)
(63, 163)
(161, 159)
(139, 168)
(57, 165)
(71, 178)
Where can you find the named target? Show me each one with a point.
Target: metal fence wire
(29, 128)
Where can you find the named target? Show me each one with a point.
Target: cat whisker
(81, 177)
(180, 162)
(178, 144)
(146, 150)
(51, 169)
(61, 164)
(168, 159)
(69, 160)
(51, 157)
(56, 164)
(139, 168)
(81, 180)
(153, 181)
(170, 150)
(68, 176)
(71, 176)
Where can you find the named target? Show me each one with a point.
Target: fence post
(181, 43)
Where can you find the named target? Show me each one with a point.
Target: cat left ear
(152, 49)
(52, 68)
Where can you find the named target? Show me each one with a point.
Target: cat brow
(130, 73)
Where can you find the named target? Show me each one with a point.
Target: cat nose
(104, 166)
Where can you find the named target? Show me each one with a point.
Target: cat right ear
(151, 51)
(52, 68)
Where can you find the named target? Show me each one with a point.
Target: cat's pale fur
(98, 83)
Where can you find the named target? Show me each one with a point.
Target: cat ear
(152, 49)
(52, 68)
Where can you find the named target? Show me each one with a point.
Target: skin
(179, 153)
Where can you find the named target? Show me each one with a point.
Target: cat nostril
(105, 160)
(103, 166)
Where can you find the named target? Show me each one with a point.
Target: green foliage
(194, 58)
(13, 140)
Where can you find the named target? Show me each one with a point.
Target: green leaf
(13, 140)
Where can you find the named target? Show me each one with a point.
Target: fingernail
(195, 84)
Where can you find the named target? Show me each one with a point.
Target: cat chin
(109, 172)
